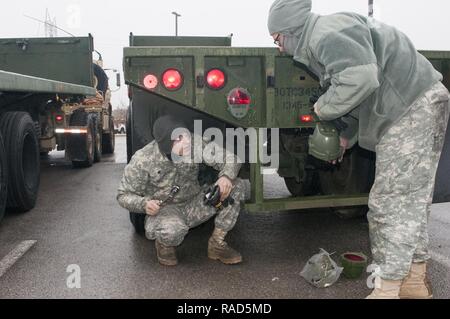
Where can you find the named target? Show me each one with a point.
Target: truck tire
(102, 78)
(308, 187)
(354, 175)
(3, 179)
(138, 221)
(82, 147)
(22, 154)
(109, 140)
(98, 143)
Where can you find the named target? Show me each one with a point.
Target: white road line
(9, 260)
(440, 258)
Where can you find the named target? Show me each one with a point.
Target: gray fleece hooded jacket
(372, 70)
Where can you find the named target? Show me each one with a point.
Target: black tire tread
(80, 118)
(3, 179)
(109, 140)
(138, 221)
(13, 125)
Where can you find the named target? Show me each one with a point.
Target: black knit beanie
(162, 132)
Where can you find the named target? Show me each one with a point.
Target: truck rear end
(228, 87)
(48, 100)
(67, 60)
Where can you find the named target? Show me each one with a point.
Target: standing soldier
(154, 173)
(398, 108)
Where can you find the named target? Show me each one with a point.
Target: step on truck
(52, 96)
(226, 87)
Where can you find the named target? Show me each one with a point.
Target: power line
(45, 23)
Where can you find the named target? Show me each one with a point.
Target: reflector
(150, 81)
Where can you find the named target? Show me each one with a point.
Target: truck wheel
(81, 147)
(354, 175)
(22, 152)
(308, 187)
(109, 140)
(138, 221)
(98, 144)
(3, 179)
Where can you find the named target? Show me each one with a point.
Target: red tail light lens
(59, 118)
(172, 79)
(306, 118)
(150, 81)
(216, 79)
(239, 97)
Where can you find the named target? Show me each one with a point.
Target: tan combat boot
(166, 255)
(218, 249)
(386, 289)
(416, 285)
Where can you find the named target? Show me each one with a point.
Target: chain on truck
(52, 96)
(205, 78)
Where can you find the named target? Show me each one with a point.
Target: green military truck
(51, 96)
(225, 87)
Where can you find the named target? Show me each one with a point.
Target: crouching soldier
(162, 184)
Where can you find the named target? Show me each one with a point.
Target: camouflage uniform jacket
(151, 176)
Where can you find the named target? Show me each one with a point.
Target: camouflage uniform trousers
(173, 222)
(400, 201)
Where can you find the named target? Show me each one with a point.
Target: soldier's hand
(344, 146)
(153, 207)
(225, 186)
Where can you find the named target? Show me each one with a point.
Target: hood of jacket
(295, 21)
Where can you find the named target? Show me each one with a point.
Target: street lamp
(176, 22)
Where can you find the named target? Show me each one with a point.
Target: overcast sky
(427, 23)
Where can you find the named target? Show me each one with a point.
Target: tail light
(172, 79)
(150, 81)
(215, 79)
(306, 118)
(59, 118)
(239, 96)
(239, 102)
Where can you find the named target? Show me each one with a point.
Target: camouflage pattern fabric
(151, 176)
(400, 201)
(173, 222)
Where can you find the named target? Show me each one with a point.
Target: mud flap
(442, 189)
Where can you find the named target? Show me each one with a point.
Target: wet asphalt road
(78, 222)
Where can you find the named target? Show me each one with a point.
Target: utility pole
(371, 8)
(176, 22)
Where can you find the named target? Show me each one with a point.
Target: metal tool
(175, 190)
